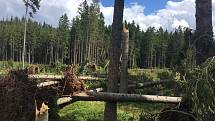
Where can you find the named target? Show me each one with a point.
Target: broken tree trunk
(124, 62)
(204, 29)
(119, 97)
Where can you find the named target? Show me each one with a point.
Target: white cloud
(177, 23)
(50, 10)
(174, 14)
(108, 13)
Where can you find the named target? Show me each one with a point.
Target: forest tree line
(86, 38)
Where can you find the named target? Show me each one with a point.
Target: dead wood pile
(71, 83)
(17, 97)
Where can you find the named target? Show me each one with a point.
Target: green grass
(94, 111)
(89, 111)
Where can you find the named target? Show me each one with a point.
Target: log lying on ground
(64, 100)
(67, 100)
(90, 78)
(102, 96)
(35, 76)
(46, 84)
(118, 97)
(58, 77)
(96, 90)
(145, 84)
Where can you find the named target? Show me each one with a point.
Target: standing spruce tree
(87, 35)
(34, 5)
(84, 30)
(63, 38)
(110, 113)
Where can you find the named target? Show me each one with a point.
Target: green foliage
(141, 75)
(10, 63)
(59, 67)
(33, 4)
(87, 38)
(101, 70)
(147, 117)
(165, 75)
(201, 90)
(95, 84)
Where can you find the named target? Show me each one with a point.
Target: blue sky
(151, 6)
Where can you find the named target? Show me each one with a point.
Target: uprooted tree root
(33, 69)
(19, 94)
(17, 97)
(71, 83)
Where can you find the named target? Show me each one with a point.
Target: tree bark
(119, 97)
(204, 29)
(124, 62)
(110, 113)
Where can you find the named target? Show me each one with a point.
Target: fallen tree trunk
(64, 100)
(46, 84)
(90, 78)
(67, 100)
(31, 76)
(58, 77)
(104, 96)
(145, 84)
(118, 97)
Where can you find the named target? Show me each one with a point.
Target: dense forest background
(86, 38)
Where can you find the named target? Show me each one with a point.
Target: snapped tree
(204, 29)
(113, 73)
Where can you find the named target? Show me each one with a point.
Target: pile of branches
(17, 98)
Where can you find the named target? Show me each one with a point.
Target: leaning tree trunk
(124, 62)
(204, 30)
(113, 73)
